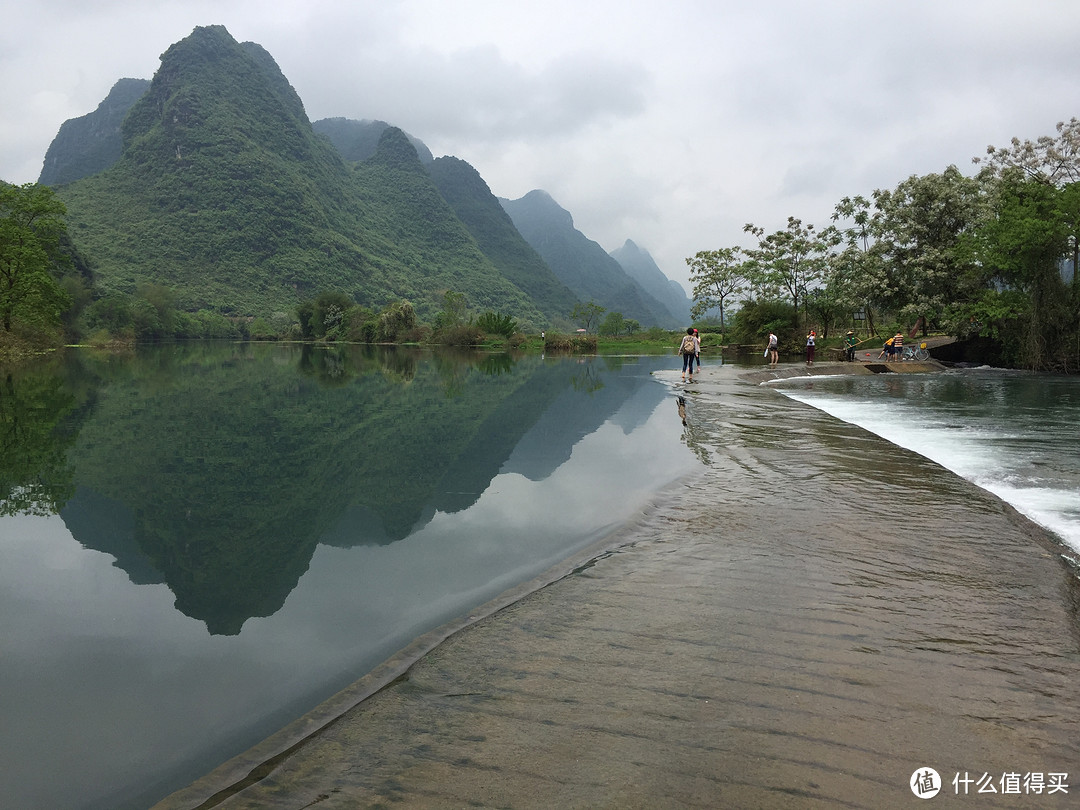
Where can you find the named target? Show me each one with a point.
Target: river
(200, 543)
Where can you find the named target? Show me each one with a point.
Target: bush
(493, 323)
(570, 344)
(260, 329)
(465, 334)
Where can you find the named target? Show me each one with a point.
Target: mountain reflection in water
(313, 509)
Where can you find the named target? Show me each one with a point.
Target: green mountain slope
(226, 194)
(471, 198)
(400, 198)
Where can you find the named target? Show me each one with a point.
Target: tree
(329, 313)
(613, 324)
(1049, 159)
(587, 314)
(31, 231)
(923, 242)
(716, 276)
(824, 304)
(453, 311)
(394, 321)
(791, 260)
(858, 275)
(1022, 246)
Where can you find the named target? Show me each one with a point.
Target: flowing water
(1012, 433)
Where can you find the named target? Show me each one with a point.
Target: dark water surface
(200, 543)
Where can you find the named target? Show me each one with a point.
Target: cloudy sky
(670, 123)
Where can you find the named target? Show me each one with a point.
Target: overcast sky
(670, 123)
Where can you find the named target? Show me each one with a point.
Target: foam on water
(1028, 461)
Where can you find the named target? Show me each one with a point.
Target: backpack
(687, 346)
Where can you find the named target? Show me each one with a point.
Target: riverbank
(820, 615)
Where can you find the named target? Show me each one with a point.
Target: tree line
(983, 257)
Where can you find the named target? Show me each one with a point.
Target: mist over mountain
(211, 181)
(640, 266)
(357, 140)
(582, 264)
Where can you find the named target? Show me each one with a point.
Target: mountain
(641, 267)
(357, 140)
(471, 198)
(225, 193)
(582, 264)
(91, 143)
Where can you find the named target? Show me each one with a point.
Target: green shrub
(493, 323)
(570, 344)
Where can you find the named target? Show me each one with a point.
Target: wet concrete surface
(809, 622)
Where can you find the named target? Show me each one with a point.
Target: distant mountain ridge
(640, 266)
(91, 143)
(582, 264)
(211, 180)
(467, 193)
(357, 140)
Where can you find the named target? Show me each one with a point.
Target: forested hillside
(467, 193)
(225, 194)
(209, 189)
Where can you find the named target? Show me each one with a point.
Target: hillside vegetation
(225, 195)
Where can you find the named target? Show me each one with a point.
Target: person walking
(687, 348)
(810, 347)
(697, 349)
(774, 352)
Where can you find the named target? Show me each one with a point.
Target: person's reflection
(681, 402)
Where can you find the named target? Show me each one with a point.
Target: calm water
(1012, 433)
(198, 544)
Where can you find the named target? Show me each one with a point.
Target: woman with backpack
(688, 350)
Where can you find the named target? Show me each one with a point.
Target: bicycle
(916, 352)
